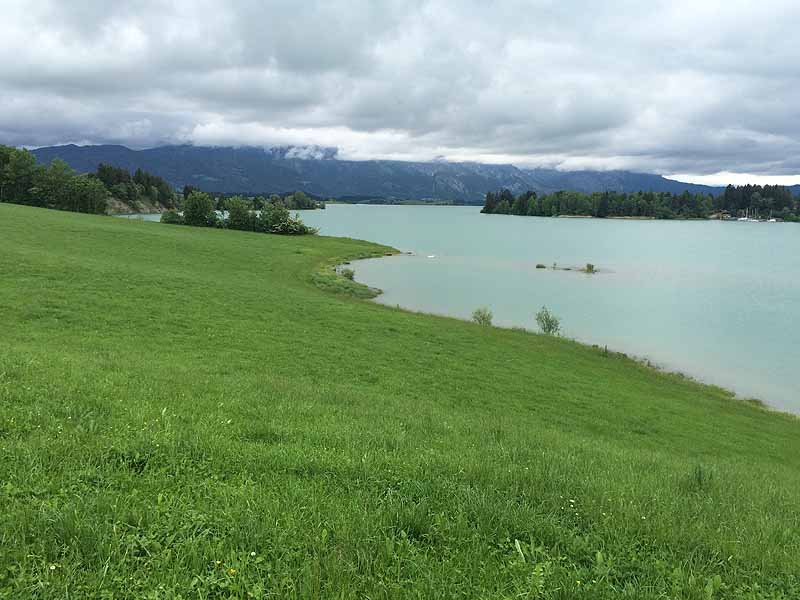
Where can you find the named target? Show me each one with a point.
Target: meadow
(201, 413)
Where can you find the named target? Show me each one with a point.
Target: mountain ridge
(319, 171)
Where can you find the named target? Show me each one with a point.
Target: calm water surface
(718, 301)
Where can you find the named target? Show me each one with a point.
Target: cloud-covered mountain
(674, 86)
(316, 170)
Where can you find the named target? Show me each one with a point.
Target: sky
(702, 90)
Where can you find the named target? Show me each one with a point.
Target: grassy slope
(185, 414)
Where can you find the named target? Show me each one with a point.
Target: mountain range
(318, 171)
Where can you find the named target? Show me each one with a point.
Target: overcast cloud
(692, 87)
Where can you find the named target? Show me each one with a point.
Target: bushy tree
(299, 201)
(502, 208)
(172, 217)
(548, 322)
(490, 204)
(19, 178)
(239, 214)
(520, 206)
(198, 210)
(86, 194)
(276, 218)
(295, 226)
(53, 182)
(482, 316)
(273, 218)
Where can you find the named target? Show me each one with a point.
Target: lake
(719, 301)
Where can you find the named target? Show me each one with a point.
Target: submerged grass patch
(193, 413)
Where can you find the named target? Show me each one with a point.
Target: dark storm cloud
(660, 86)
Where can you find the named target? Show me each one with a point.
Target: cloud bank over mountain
(666, 86)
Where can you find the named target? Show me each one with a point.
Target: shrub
(295, 226)
(172, 217)
(540, 266)
(482, 316)
(590, 268)
(239, 214)
(199, 210)
(548, 322)
(348, 274)
(275, 218)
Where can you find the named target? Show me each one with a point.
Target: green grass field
(193, 413)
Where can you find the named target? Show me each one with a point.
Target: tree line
(237, 212)
(136, 189)
(24, 181)
(292, 201)
(758, 201)
(776, 200)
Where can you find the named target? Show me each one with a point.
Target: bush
(348, 274)
(275, 218)
(295, 226)
(272, 217)
(482, 316)
(590, 268)
(548, 322)
(199, 210)
(172, 217)
(239, 214)
(540, 266)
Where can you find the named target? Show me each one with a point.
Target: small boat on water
(748, 218)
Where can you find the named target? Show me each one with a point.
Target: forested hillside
(58, 185)
(318, 171)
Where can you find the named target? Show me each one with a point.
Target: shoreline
(642, 361)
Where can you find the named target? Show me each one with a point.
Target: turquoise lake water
(719, 301)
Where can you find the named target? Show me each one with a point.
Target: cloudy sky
(688, 87)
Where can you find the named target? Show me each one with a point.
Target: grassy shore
(192, 413)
